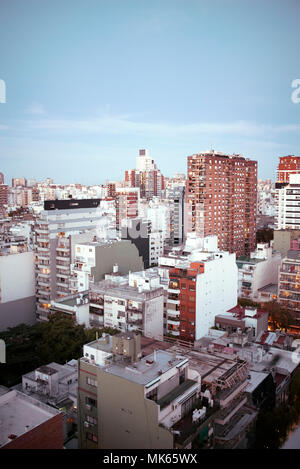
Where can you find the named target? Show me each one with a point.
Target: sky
(90, 82)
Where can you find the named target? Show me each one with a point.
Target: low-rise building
(129, 303)
(289, 281)
(27, 423)
(96, 258)
(257, 271)
(131, 402)
(55, 385)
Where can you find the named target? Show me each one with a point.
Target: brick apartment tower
(146, 176)
(221, 197)
(287, 165)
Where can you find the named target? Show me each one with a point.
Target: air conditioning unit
(86, 424)
(88, 406)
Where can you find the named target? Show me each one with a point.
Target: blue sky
(89, 82)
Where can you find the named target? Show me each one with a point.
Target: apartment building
(129, 303)
(177, 197)
(75, 305)
(61, 225)
(150, 244)
(131, 402)
(257, 271)
(127, 204)
(287, 165)
(200, 287)
(94, 259)
(146, 176)
(56, 385)
(288, 204)
(16, 182)
(244, 324)
(289, 280)
(4, 189)
(221, 197)
(224, 382)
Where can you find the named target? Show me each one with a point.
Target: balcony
(174, 301)
(63, 258)
(176, 392)
(173, 321)
(185, 430)
(63, 266)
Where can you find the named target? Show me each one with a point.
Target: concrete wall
(17, 312)
(17, 279)
(216, 291)
(124, 253)
(282, 240)
(154, 318)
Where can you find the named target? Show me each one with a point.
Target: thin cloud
(123, 125)
(35, 109)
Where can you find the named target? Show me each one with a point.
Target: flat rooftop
(148, 368)
(124, 291)
(20, 413)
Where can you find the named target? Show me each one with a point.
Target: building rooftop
(20, 413)
(124, 290)
(148, 369)
(256, 377)
(241, 312)
(270, 288)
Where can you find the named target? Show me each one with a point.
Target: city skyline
(91, 85)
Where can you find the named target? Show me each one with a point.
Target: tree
(61, 339)
(264, 235)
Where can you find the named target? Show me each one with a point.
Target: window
(152, 394)
(90, 436)
(90, 419)
(90, 401)
(91, 382)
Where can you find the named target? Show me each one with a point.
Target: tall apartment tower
(4, 189)
(61, 225)
(287, 204)
(127, 204)
(146, 176)
(221, 197)
(15, 182)
(287, 165)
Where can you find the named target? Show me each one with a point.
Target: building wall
(154, 318)
(124, 253)
(266, 272)
(17, 278)
(13, 313)
(216, 292)
(282, 240)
